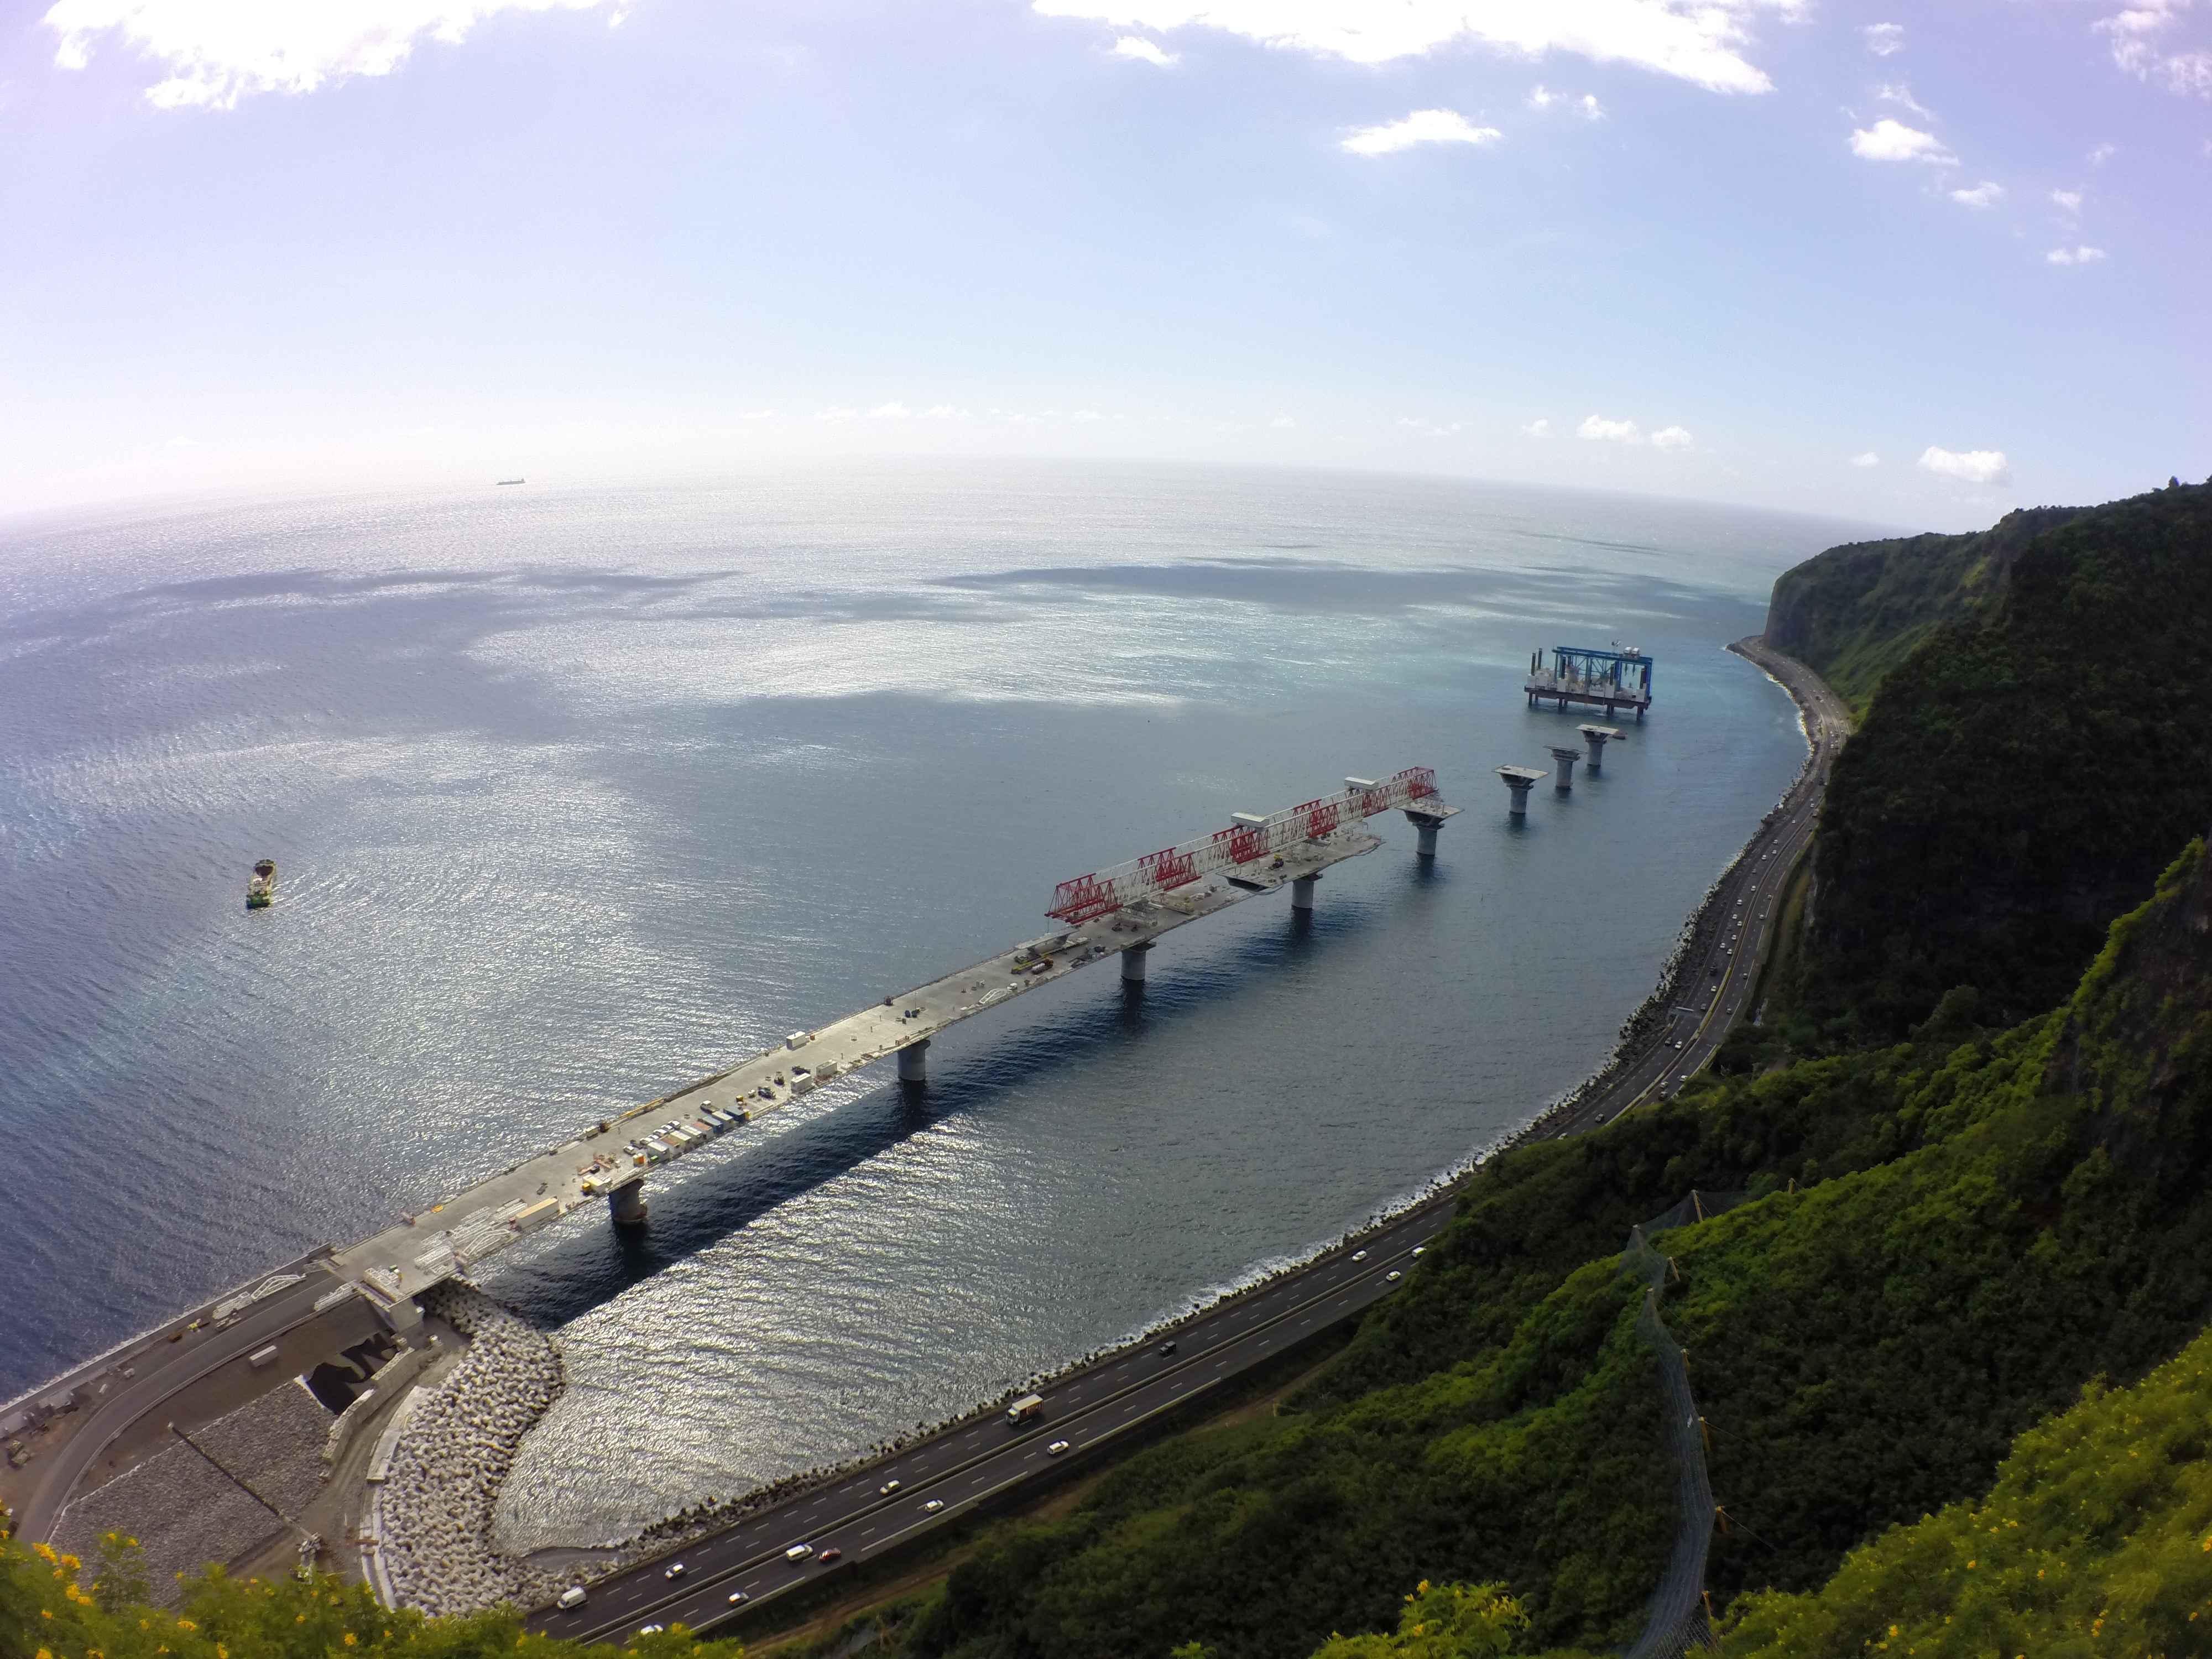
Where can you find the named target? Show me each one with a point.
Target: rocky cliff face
(2023, 775)
(1856, 611)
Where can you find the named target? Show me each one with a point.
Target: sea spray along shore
(519, 1376)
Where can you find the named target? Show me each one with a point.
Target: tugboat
(261, 886)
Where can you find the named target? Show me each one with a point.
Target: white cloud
(837, 412)
(1598, 429)
(2103, 154)
(1898, 93)
(1539, 428)
(1672, 437)
(1140, 50)
(1085, 416)
(1892, 141)
(890, 412)
(2069, 199)
(2137, 49)
(1974, 467)
(2074, 256)
(1282, 423)
(943, 413)
(1867, 458)
(217, 51)
(1984, 195)
(756, 414)
(1586, 105)
(1423, 126)
(1701, 41)
(1428, 428)
(1884, 39)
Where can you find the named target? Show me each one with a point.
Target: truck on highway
(1027, 1409)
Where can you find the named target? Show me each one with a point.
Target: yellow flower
(46, 1550)
(1892, 1629)
(187, 1623)
(349, 1639)
(1971, 1565)
(45, 1653)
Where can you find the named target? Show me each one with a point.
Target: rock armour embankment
(437, 1503)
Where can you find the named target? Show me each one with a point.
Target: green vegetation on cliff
(1853, 613)
(2097, 1538)
(2019, 778)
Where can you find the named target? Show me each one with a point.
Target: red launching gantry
(1249, 839)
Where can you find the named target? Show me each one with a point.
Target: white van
(571, 1597)
(799, 1552)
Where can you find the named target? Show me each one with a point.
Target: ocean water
(578, 794)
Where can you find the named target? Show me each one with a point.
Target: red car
(833, 1553)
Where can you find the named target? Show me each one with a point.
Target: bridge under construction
(1119, 911)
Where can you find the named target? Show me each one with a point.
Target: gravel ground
(185, 1513)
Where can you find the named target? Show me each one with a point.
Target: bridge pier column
(913, 1062)
(626, 1203)
(1133, 962)
(1597, 737)
(1301, 891)
(1562, 780)
(1428, 827)
(1520, 780)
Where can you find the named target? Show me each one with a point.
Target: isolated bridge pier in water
(1597, 737)
(1119, 911)
(1520, 780)
(1563, 784)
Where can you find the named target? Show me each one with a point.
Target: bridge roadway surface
(971, 1464)
(967, 1466)
(403, 1261)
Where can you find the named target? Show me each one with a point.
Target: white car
(1418, 1249)
(737, 1598)
(887, 1488)
(1056, 1449)
(571, 1597)
(675, 1569)
(1395, 1277)
(650, 1630)
(933, 1506)
(1359, 1255)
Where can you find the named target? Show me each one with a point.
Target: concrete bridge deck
(609, 1162)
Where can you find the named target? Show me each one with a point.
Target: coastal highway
(1735, 929)
(967, 1466)
(964, 1467)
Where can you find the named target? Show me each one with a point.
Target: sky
(1908, 262)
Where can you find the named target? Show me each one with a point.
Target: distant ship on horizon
(511, 481)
